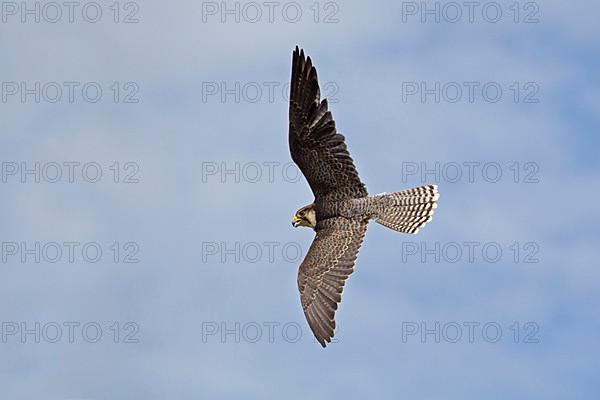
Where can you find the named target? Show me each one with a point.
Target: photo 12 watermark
(469, 332)
(257, 332)
(69, 92)
(258, 92)
(69, 172)
(14, 332)
(526, 172)
(271, 12)
(470, 92)
(470, 12)
(69, 12)
(68, 252)
(475, 252)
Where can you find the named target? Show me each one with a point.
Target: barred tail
(406, 211)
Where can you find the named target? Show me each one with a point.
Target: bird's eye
(301, 213)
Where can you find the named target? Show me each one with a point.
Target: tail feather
(406, 211)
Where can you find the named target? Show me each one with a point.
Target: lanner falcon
(342, 207)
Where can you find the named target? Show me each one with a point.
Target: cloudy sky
(147, 193)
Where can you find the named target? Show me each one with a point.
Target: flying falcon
(342, 207)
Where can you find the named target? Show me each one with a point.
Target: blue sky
(185, 226)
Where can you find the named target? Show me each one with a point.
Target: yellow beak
(296, 221)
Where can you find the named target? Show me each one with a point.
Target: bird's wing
(316, 147)
(323, 273)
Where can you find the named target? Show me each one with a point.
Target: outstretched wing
(317, 148)
(323, 273)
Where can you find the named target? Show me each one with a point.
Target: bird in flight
(342, 207)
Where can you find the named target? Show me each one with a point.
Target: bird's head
(306, 216)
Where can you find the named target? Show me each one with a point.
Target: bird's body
(342, 207)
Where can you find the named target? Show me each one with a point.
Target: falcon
(342, 207)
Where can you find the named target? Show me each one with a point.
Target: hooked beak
(295, 221)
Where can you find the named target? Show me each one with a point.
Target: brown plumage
(342, 207)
